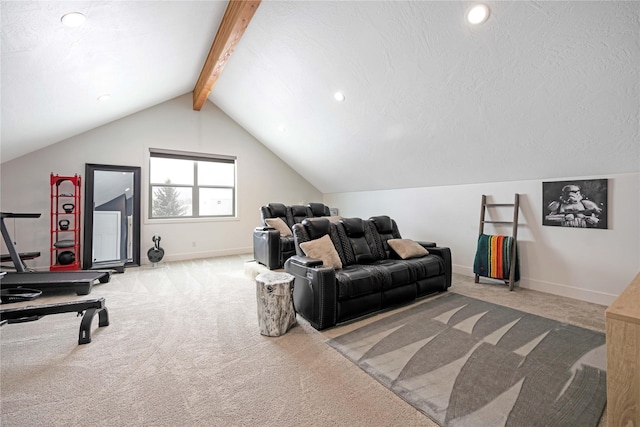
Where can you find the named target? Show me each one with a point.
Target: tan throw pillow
(279, 225)
(335, 218)
(407, 248)
(323, 249)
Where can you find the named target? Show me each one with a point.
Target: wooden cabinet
(623, 358)
(65, 222)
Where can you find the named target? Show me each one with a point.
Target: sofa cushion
(385, 228)
(279, 225)
(357, 280)
(299, 213)
(318, 209)
(278, 210)
(424, 267)
(393, 273)
(383, 223)
(287, 244)
(337, 240)
(407, 248)
(316, 227)
(323, 249)
(379, 247)
(355, 229)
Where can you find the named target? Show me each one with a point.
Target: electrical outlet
(193, 244)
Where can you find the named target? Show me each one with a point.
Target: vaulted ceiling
(540, 90)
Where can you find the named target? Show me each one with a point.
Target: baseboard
(204, 254)
(559, 289)
(181, 257)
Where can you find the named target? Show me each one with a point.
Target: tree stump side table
(276, 314)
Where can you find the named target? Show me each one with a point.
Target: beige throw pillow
(323, 249)
(279, 225)
(407, 248)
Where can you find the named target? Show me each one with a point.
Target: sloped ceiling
(541, 90)
(142, 53)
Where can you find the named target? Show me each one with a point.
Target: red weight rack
(65, 222)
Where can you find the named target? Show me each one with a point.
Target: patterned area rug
(466, 362)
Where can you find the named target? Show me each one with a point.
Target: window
(191, 185)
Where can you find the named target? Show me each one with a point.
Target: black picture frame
(575, 203)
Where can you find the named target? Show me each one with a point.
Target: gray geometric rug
(466, 362)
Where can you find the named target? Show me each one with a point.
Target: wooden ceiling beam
(234, 22)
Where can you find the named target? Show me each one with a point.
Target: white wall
(587, 264)
(592, 265)
(262, 178)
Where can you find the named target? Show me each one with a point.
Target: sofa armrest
(314, 291)
(266, 247)
(306, 261)
(427, 244)
(445, 254)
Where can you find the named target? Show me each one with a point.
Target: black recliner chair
(273, 242)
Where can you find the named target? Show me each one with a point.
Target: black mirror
(111, 216)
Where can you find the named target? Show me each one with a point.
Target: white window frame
(196, 157)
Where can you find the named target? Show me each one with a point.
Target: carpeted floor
(183, 348)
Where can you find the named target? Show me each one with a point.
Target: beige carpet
(183, 348)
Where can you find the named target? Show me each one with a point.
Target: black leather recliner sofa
(270, 247)
(372, 277)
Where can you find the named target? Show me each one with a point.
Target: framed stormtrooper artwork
(575, 204)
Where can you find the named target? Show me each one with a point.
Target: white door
(106, 236)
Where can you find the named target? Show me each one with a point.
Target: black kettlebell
(64, 224)
(66, 258)
(156, 253)
(68, 207)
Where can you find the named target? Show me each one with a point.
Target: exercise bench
(89, 307)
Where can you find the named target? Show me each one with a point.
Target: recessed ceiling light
(73, 19)
(104, 98)
(339, 96)
(478, 14)
(281, 128)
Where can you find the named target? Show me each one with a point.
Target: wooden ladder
(514, 233)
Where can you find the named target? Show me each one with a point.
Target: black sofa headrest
(317, 209)
(278, 209)
(383, 223)
(317, 227)
(298, 210)
(353, 226)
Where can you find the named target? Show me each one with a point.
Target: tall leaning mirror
(111, 217)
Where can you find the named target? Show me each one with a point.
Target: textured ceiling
(541, 90)
(142, 53)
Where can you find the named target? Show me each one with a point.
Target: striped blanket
(493, 257)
